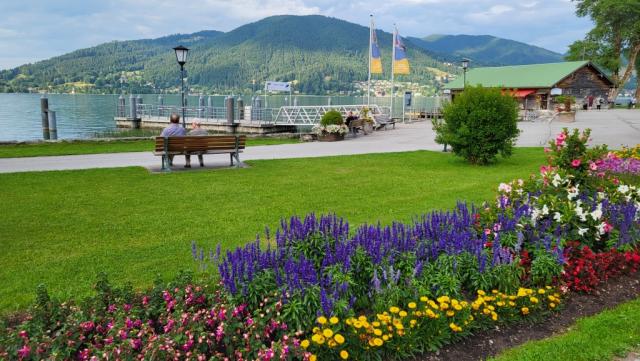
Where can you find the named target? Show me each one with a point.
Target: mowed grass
(597, 338)
(98, 146)
(62, 228)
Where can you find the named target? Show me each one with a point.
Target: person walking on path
(196, 130)
(173, 130)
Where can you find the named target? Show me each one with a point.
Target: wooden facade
(584, 82)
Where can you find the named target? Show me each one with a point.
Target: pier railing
(310, 115)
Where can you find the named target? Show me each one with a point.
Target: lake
(84, 115)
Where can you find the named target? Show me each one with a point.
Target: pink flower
(249, 321)
(145, 300)
(607, 227)
(127, 307)
(547, 150)
(575, 163)
(24, 352)
(87, 326)
(23, 334)
(593, 166)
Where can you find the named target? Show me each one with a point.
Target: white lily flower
(623, 188)
(545, 210)
(557, 217)
(582, 231)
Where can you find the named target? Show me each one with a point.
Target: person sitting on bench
(350, 118)
(173, 130)
(196, 129)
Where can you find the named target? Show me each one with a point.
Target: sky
(32, 30)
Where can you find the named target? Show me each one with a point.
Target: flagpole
(370, 41)
(393, 61)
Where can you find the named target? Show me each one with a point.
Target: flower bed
(320, 288)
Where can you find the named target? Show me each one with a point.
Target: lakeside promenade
(616, 128)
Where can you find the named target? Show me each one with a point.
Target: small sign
(281, 86)
(556, 91)
(447, 91)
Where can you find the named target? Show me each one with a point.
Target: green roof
(519, 76)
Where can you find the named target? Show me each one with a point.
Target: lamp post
(181, 57)
(465, 66)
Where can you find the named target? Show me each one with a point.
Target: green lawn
(94, 147)
(596, 338)
(61, 228)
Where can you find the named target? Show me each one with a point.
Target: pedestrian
(599, 102)
(632, 103)
(590, 100)
(173, 130)
(196, 130)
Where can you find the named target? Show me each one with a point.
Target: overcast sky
(32, 30)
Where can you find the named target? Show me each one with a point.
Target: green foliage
(544, 269)
(567, 100)
(332, 117)
(480, 124)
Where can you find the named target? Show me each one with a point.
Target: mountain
(486, 50)
(320, 54)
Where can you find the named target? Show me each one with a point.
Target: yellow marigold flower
(357, 324)
(494, 316)
(412, 305)
(450, 313)
(322, 320)
(418, 313)
(443, 299)
(494, 292)
(304, 344)
(327, 333)
(331, 343)
(313, 358)
(375, 324)
(344, 354)
(394, 309)
(402, 314)
(552, 305)
(385, 337)
(433, 305)
(413, 322)
(464, 303)
(525, 310)
(475, 306)
(486, 311)
(457, 307)
(424, 299)
(339, 338)
(454, 327)
(444, 306)
(431, 314)
(401, 332)
(316, 330)
(333, 320)
(362, 318)
(522, 292)
(541, 291)
(471, 318)
(548, 287)
(500, 303)
(319, 339)
(491, 308)
(377, 332)
(511, 303)
(481, 292)
(378, 341)
(533, 300)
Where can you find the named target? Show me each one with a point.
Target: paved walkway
(613, 127)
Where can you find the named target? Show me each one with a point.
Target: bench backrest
(381, 118)
(201, 143)
(357, 123)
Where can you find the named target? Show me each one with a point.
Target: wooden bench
(383, 120)
(167, 147)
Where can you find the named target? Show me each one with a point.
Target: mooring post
(209, 107)
(201, 107)
(53, 127)
(229, 103)
(44, 109)
(240, 109)
(132, 106)
(122, 108)
(160, 106)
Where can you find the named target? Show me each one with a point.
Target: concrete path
(613, 127)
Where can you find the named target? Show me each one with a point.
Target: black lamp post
(465, 66)
(181, 57)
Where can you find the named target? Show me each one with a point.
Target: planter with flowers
(566, 113)
(367, 126)
(331, 127)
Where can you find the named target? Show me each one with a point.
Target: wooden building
(535, 85)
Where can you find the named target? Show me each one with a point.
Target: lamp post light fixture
(181, 57)
(465, 66)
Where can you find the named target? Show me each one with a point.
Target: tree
(480, 124)
(616, 35)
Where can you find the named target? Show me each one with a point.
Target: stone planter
(367, 128)
(330, 137)
(567, 117)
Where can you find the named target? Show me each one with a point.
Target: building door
(543, 101)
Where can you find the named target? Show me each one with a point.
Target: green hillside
(320, 54)
(486, 49)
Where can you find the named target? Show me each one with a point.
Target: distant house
(534, 85)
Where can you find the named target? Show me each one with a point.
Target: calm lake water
(83, 115)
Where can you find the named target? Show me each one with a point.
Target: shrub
(480, 124)
(567, 100)
(332, 117)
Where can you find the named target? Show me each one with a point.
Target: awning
(522, 93)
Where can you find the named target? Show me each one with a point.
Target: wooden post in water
(240, 109)
(44, 109)
(53, 126)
